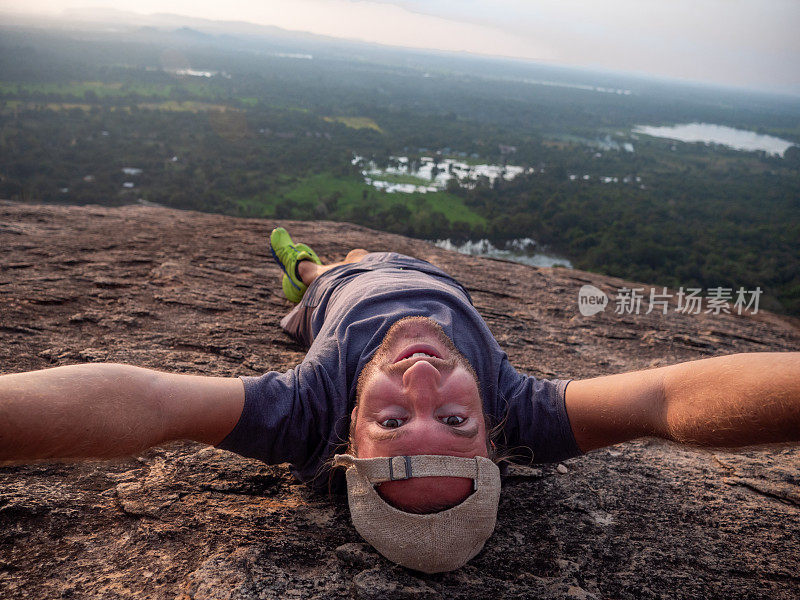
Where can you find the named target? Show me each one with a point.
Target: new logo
(591, 300)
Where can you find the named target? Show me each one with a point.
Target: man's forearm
(80, 411)
(733, 401)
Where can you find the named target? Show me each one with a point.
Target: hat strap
(395, 468)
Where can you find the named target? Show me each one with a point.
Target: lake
(738, 139)
(522, 250)
(431, 174)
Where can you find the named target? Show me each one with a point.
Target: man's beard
(385, 355)
(386, 352)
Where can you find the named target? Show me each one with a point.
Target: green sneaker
(288, 254)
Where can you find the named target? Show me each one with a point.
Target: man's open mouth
(417, 350)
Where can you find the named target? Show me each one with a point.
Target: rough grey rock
(196, 293)
(357, 555)
(380, 583)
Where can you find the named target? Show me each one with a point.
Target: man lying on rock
(401, 368)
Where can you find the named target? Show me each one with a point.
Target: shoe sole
(280, 264)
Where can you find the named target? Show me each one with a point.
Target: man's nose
(422, 374)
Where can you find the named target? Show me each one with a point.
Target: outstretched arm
(107, 410)
(727, 401)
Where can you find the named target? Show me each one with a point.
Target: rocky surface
(195, 293)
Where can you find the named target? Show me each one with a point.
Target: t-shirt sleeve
(536, 427)
(283, 417)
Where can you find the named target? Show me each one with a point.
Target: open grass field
(9, 106)
(188, 106)
(395, 178)
(356, 122)
(103, 89)
(352, 194)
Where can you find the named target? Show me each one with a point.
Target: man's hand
(108, 410)
(728, 401)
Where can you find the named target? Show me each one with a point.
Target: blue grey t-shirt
(302, 416)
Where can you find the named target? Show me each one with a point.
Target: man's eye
(453, 420)
(392, 423)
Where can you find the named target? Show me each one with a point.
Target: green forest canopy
(271, 136)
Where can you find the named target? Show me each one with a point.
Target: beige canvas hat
(431, 543)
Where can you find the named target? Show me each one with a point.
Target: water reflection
(521, 250)
(737, 139)
(431, 174)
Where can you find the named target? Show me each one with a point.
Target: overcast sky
(753, 43)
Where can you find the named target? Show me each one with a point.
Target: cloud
(736, 40)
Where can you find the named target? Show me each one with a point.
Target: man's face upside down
(408, 404)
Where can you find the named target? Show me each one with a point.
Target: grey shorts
(298, 322)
